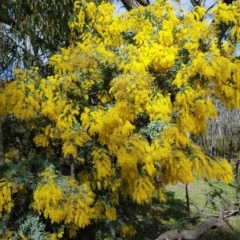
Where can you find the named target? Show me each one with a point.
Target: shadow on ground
(161, 217)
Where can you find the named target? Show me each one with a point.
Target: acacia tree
(118, 108)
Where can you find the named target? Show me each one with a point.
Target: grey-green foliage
(107, 230)
(152, 129)
(3, 225)
(32, 228)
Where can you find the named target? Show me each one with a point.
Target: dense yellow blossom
(7, 189)
(54, 200)
(121, 104)
(143, 190)
(128, 230)
(102, 163)
(111, 213)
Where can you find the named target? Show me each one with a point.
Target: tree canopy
(118, 110)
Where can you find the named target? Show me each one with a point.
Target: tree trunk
(223, 145)
(191, 234)
(131, 4)
(212, 140)
(1, 144)
(72, 169)
(187, 201)
(231, 147)
(237, 169)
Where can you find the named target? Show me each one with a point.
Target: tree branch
(131, 4)
(191, 234)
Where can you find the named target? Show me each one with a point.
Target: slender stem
(187, 201)
(72, 167)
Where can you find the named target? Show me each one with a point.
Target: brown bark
(228, 1)
(193, 233)
(237, 169)
(131, 4)
(143, 2)
(187, 200)
(72, 169)
(197, 2)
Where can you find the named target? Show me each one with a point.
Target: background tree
(33, 30)
(118, 105)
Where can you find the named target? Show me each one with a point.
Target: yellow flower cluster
(227, 13)
(102, 164)
(160, 108)
(143, 190)
(63, 200)
(194, 109)
(132, 89)
(128, 230)
(7, 189)
(111, 213)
